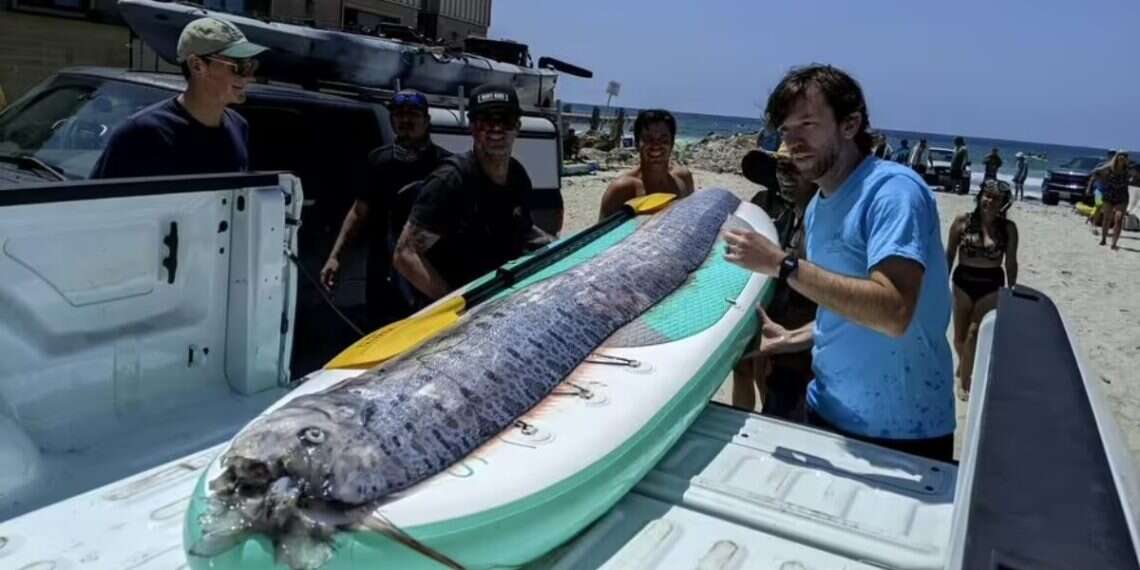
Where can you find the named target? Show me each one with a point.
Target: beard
(821, 164)
(497, 149)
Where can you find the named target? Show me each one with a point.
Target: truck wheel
(1050, 198)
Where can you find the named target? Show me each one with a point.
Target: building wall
(477, 12)
(33, 47)
(326, 13)
(323, 13)
(405, 10)
(452, 30)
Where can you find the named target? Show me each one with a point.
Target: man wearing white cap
(192, 133)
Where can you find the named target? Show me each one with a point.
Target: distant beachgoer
(959, 181)
(1114, 177)
(570, 146)
(902, 155)
(780, 379)
(919, 159)
(654, 132)
(981, 240)
(993, 163)
(880, 149)
(1020, 176)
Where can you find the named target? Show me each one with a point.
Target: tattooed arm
(411, 261)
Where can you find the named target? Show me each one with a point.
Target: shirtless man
(654, 132)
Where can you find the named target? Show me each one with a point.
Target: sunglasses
(412, 99)
(506, 121)
(241, 67)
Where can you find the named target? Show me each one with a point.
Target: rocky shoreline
(713, 153)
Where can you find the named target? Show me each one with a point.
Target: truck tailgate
(744, 491)
(737, 491)
(134, 523)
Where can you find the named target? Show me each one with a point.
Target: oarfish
(315, 465)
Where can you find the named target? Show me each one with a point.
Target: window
(252, 8)
(67, 125)
(367, 22)
(75, 8)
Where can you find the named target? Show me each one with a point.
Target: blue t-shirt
(165, 139)
(866, 382)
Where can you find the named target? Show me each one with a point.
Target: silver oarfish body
(321, 462)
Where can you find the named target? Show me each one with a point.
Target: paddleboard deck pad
(508, 434)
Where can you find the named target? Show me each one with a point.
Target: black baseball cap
(759, 165)
(489, 98)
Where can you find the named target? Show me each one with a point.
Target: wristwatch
(788, 266)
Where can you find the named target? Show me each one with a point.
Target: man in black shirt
(471, 214)
(193, 133)
(383, 206)
(781, 379)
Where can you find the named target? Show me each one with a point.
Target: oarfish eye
(312, 436)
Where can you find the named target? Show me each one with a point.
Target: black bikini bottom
(977, 282)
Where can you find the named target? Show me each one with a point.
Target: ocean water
(691, 127)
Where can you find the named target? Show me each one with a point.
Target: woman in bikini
(1114, 185)
(981, 240)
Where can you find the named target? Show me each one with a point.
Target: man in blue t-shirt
(193, 133)
(875, 266)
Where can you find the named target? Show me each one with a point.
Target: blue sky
(1036, 71)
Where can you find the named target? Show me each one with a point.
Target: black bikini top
(973, 243)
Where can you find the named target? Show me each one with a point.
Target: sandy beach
(1094, 287)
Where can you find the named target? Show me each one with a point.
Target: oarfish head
(297, 475)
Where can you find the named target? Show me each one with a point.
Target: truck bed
(737, 491)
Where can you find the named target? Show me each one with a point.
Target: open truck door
(140, 320)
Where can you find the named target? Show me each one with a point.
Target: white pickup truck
(142, 322)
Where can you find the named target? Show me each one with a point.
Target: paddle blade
(651, 203)
(400, 336)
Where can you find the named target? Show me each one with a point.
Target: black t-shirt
(958, 162)
(165, 139)
(390, 191)
(993, 163)
(481, 225)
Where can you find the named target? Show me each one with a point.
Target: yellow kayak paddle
(404, 335)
